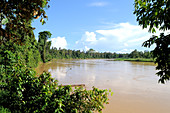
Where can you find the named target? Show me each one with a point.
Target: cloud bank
(121, 38)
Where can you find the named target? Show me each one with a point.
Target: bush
(23, 92)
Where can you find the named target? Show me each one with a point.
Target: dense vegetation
(28, 52)
(64, 53)
(21, 90)
(154, 14)
(31, 52)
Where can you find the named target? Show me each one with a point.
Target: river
(134, 84)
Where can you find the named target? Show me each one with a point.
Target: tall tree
(155, 14)
(43, 44)
(134, 54)
(16, 29)
(16, 15)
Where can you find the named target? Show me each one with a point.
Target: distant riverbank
(134, 59)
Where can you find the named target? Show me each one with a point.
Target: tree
(17, 15)
(155, 14)
(134, 54)
(146, 54)
(28, 52)
(43, 44)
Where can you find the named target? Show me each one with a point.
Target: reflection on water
(134, 84)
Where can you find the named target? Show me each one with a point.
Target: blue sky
(104, 25)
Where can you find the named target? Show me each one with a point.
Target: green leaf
(153, 30)
(4, 21)
(112, 93)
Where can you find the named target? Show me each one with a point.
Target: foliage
(4, 110)
(16, 30)
(28, 52)
(24, 92)
(44, 45)
(140, 54)
(16, 15)
(134, 59)
(64, 53)
(155, 14)
(162, 55)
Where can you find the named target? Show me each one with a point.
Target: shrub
(24, 92)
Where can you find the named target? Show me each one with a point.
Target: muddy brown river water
(135, 85)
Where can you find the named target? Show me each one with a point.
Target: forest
(34, 51)
(48, 53)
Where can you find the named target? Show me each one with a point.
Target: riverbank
(134, 59)
(114, 59)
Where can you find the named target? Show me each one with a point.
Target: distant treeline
(32, 52)
(77, 54)
(48, 53)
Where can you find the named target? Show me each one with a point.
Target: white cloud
(125, 51)
(102, 38)
(125, 44)
(86, 48)
(98, 4)
(76, 42)
(144, 38)
(123, 31)
(122, 38)
(89, 36)
(59, 42)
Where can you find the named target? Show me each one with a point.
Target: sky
(103, 25)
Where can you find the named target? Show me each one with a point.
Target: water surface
(135, 85)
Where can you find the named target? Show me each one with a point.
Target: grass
(134, 59)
